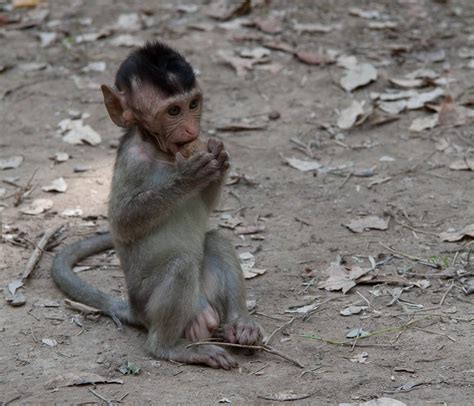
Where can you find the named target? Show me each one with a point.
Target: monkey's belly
(182, 235)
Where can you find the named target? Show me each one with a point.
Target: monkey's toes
(243, 331)
(217, 357)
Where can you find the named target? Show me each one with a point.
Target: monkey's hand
(203, 325)
(216, 147)
(243, 331)
(199, 169)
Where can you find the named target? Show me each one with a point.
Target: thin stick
(81, 307)
(436, 332)
(264, 348)
(108, 401)
(441, 302)
(38, 251)
(374, 333)
(277, 330)
(402, 254)
(259, 369)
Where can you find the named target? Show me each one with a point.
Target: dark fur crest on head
(158, 65)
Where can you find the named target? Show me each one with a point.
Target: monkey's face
(173, 121)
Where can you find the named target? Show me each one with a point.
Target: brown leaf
(244, 230)
(25, 3)
(366, 223)
(225, 10)
(341, 278)
(312, 58)
(280, 46)
(452, 236)
(269, 25)
(451, 114)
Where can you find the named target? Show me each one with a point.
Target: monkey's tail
(80, 291)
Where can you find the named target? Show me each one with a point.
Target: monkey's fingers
(215, 146)
(223, 160)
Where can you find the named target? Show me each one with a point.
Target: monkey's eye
(194, 104)
(174, 111)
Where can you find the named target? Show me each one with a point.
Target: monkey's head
(156, 90)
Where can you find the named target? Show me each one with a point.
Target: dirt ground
(419, 319)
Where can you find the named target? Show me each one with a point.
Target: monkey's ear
(116, 106)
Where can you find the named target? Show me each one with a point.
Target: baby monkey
(183, 281)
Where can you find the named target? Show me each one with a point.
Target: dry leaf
(47, 38)
(25, 3)
(229, 221)
(315, 27)
(80, 378)
(255, 53)
(57, 185)
(348, 117)
(225, 10)
(367, 14)
(285, 396)
(37, 206)
(129, 22)
(420, 99)
(357, 76)
(269, 25)
(366, 223)
(305, 309)
(466, 164)
(361, 358)
(377, 402)
(76, 212)
(12, 162)
(312, 58)
(424, 123)
(60, 157)
(303, 165)
(49, 342)
(451, 114)
(340, 278)
(351, 310)
(452, 236)
(392, 107)
(244, 230)
(247, 262)
(382, 25)
(240, 65)
(126, 40)
(76, 133)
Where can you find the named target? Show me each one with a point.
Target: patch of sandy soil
(419, 349)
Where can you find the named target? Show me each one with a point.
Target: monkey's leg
(173, 304)
(224, 286)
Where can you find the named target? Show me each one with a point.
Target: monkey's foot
(243, 331)
(203, 325)
(211, 355)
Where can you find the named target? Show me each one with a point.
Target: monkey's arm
(211, 193)
(145, 194)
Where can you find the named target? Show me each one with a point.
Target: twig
(81, 307)
(413, 258)
(372, 334)
(437, 333)
(277, 330)
(24, 191)
(270, 316)
(346, 180)
(38, 251)
(108, 401)
(259, 369)
(441, 302)
(263, 347)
